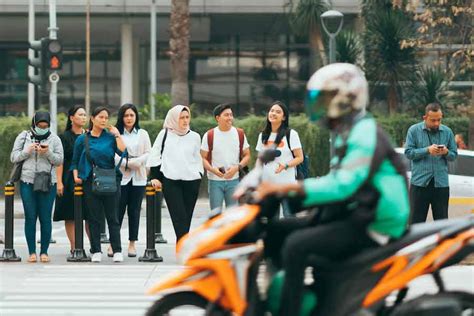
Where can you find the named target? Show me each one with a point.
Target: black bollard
(150, 254)
(158, 202)
(9, 254)
(78, 254)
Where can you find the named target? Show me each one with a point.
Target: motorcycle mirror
(269, 155)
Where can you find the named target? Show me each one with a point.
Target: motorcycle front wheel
(184, 304)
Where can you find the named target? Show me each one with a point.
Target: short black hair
(221, 108)
(433, 107)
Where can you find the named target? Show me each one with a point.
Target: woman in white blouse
(176, 166)
(133, 169)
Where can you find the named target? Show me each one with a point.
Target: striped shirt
(424, 166)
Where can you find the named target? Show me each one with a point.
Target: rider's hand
(77, 180)
(156, 183)
(230, 172)
(265, 189)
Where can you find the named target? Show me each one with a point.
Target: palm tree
(387, 61)
(179, 51)
(305, 21)
(427, 86)
(348, 49)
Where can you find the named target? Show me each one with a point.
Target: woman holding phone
(41, 152)
(104, 141)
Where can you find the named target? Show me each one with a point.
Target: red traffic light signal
(54, 63)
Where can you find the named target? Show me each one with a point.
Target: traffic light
(38, 62)
(54, 54)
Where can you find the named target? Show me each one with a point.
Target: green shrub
(314, 139)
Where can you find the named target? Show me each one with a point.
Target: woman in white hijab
(176, 167)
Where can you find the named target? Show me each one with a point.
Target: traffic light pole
(31, 55)
(54, 77)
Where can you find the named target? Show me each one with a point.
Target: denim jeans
(37, 205)
(220, 191)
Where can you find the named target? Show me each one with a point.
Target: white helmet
(335, 91)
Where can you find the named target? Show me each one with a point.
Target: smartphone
(440, 146)
(222, 169)
(43, 145)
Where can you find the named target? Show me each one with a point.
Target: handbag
(42, 181)
(15, 174)
(104, 181)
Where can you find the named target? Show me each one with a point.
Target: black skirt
(64, 206)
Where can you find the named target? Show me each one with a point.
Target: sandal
(44, 258)
(110, 252)
(32, 258)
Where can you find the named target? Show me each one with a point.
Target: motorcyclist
(364, 195)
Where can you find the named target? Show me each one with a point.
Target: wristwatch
(286, 166)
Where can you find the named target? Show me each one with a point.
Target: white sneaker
(118, 257)
(96, 257)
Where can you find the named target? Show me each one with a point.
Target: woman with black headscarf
(40, 151)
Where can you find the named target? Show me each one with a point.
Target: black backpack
(302, 170)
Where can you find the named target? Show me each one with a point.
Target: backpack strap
(210, 144)
(87, 149)
(288, 136)
(163, 142)
(241, 141)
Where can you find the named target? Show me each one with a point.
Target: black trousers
(98, 205)
(181, 197)
(131, 198)
(335, 241)
(422, 198)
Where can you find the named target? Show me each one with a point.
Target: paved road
(62, 288)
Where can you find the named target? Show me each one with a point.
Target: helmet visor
(317, 103)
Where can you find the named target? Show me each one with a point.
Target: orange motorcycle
(226, 272)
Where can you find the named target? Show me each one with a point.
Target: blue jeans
(37, 205)
(220, 191)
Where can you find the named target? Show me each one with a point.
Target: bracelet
(286, 166)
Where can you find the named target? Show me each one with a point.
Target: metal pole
(332, 49)
(152, 60)
(158, 203)
(9, 252)
(88, 58)
(53, 94)
(78, 254)
(150, 254)
(31, 55)
(53, 101)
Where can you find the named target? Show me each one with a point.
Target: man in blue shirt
(429, 146)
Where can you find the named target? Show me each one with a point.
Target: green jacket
(342, 183)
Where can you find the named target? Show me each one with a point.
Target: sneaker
(96, 257)
(118, 257)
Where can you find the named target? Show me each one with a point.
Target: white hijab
(172, 120)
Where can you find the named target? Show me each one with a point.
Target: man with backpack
(225, 152)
